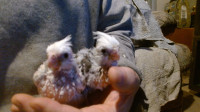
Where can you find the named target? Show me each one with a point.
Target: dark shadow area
(187, 100)
(145, 48)
(143, 43)
(198, 94)
(174, 105)
(139, 104)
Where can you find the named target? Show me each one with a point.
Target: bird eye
(103, 51)
(66, 55)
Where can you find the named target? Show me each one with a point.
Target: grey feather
(93, 64)
(90, 70)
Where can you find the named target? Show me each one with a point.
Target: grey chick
(58, 76)
(94, 63)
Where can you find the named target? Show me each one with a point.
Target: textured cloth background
(167, 22)
(184, 57)
(161, 80)
(147, 28)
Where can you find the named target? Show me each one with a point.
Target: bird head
(60, 55)
(108, 46)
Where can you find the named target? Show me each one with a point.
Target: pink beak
(114, 55)
(54, 62)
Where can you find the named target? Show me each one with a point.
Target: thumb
(124, 79)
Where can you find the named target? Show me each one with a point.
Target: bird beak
(54, 62)
(114, 55)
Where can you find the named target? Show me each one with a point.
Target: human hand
(118, 98)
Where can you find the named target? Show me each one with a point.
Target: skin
(116, 98)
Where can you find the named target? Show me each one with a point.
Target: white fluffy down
(58, 47)
(106, 41)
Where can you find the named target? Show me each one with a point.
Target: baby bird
(107, 47)
(94, 63)
(58, 76)
(69, 78)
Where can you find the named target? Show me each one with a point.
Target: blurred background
(187, 32)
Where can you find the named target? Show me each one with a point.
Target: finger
(44, 105)
(124, 79)
(21, 103)
(49, 105)
(118, 101)
(14, 108)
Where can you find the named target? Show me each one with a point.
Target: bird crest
(63, 45)
(105, 41)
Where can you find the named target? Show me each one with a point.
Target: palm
(115, 98)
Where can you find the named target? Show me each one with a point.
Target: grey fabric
(184, 57)
(166, 21)
(147, 28)
(161, 79)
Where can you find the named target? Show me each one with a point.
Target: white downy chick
(94, 63)
(57, 77)
(108, 47)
